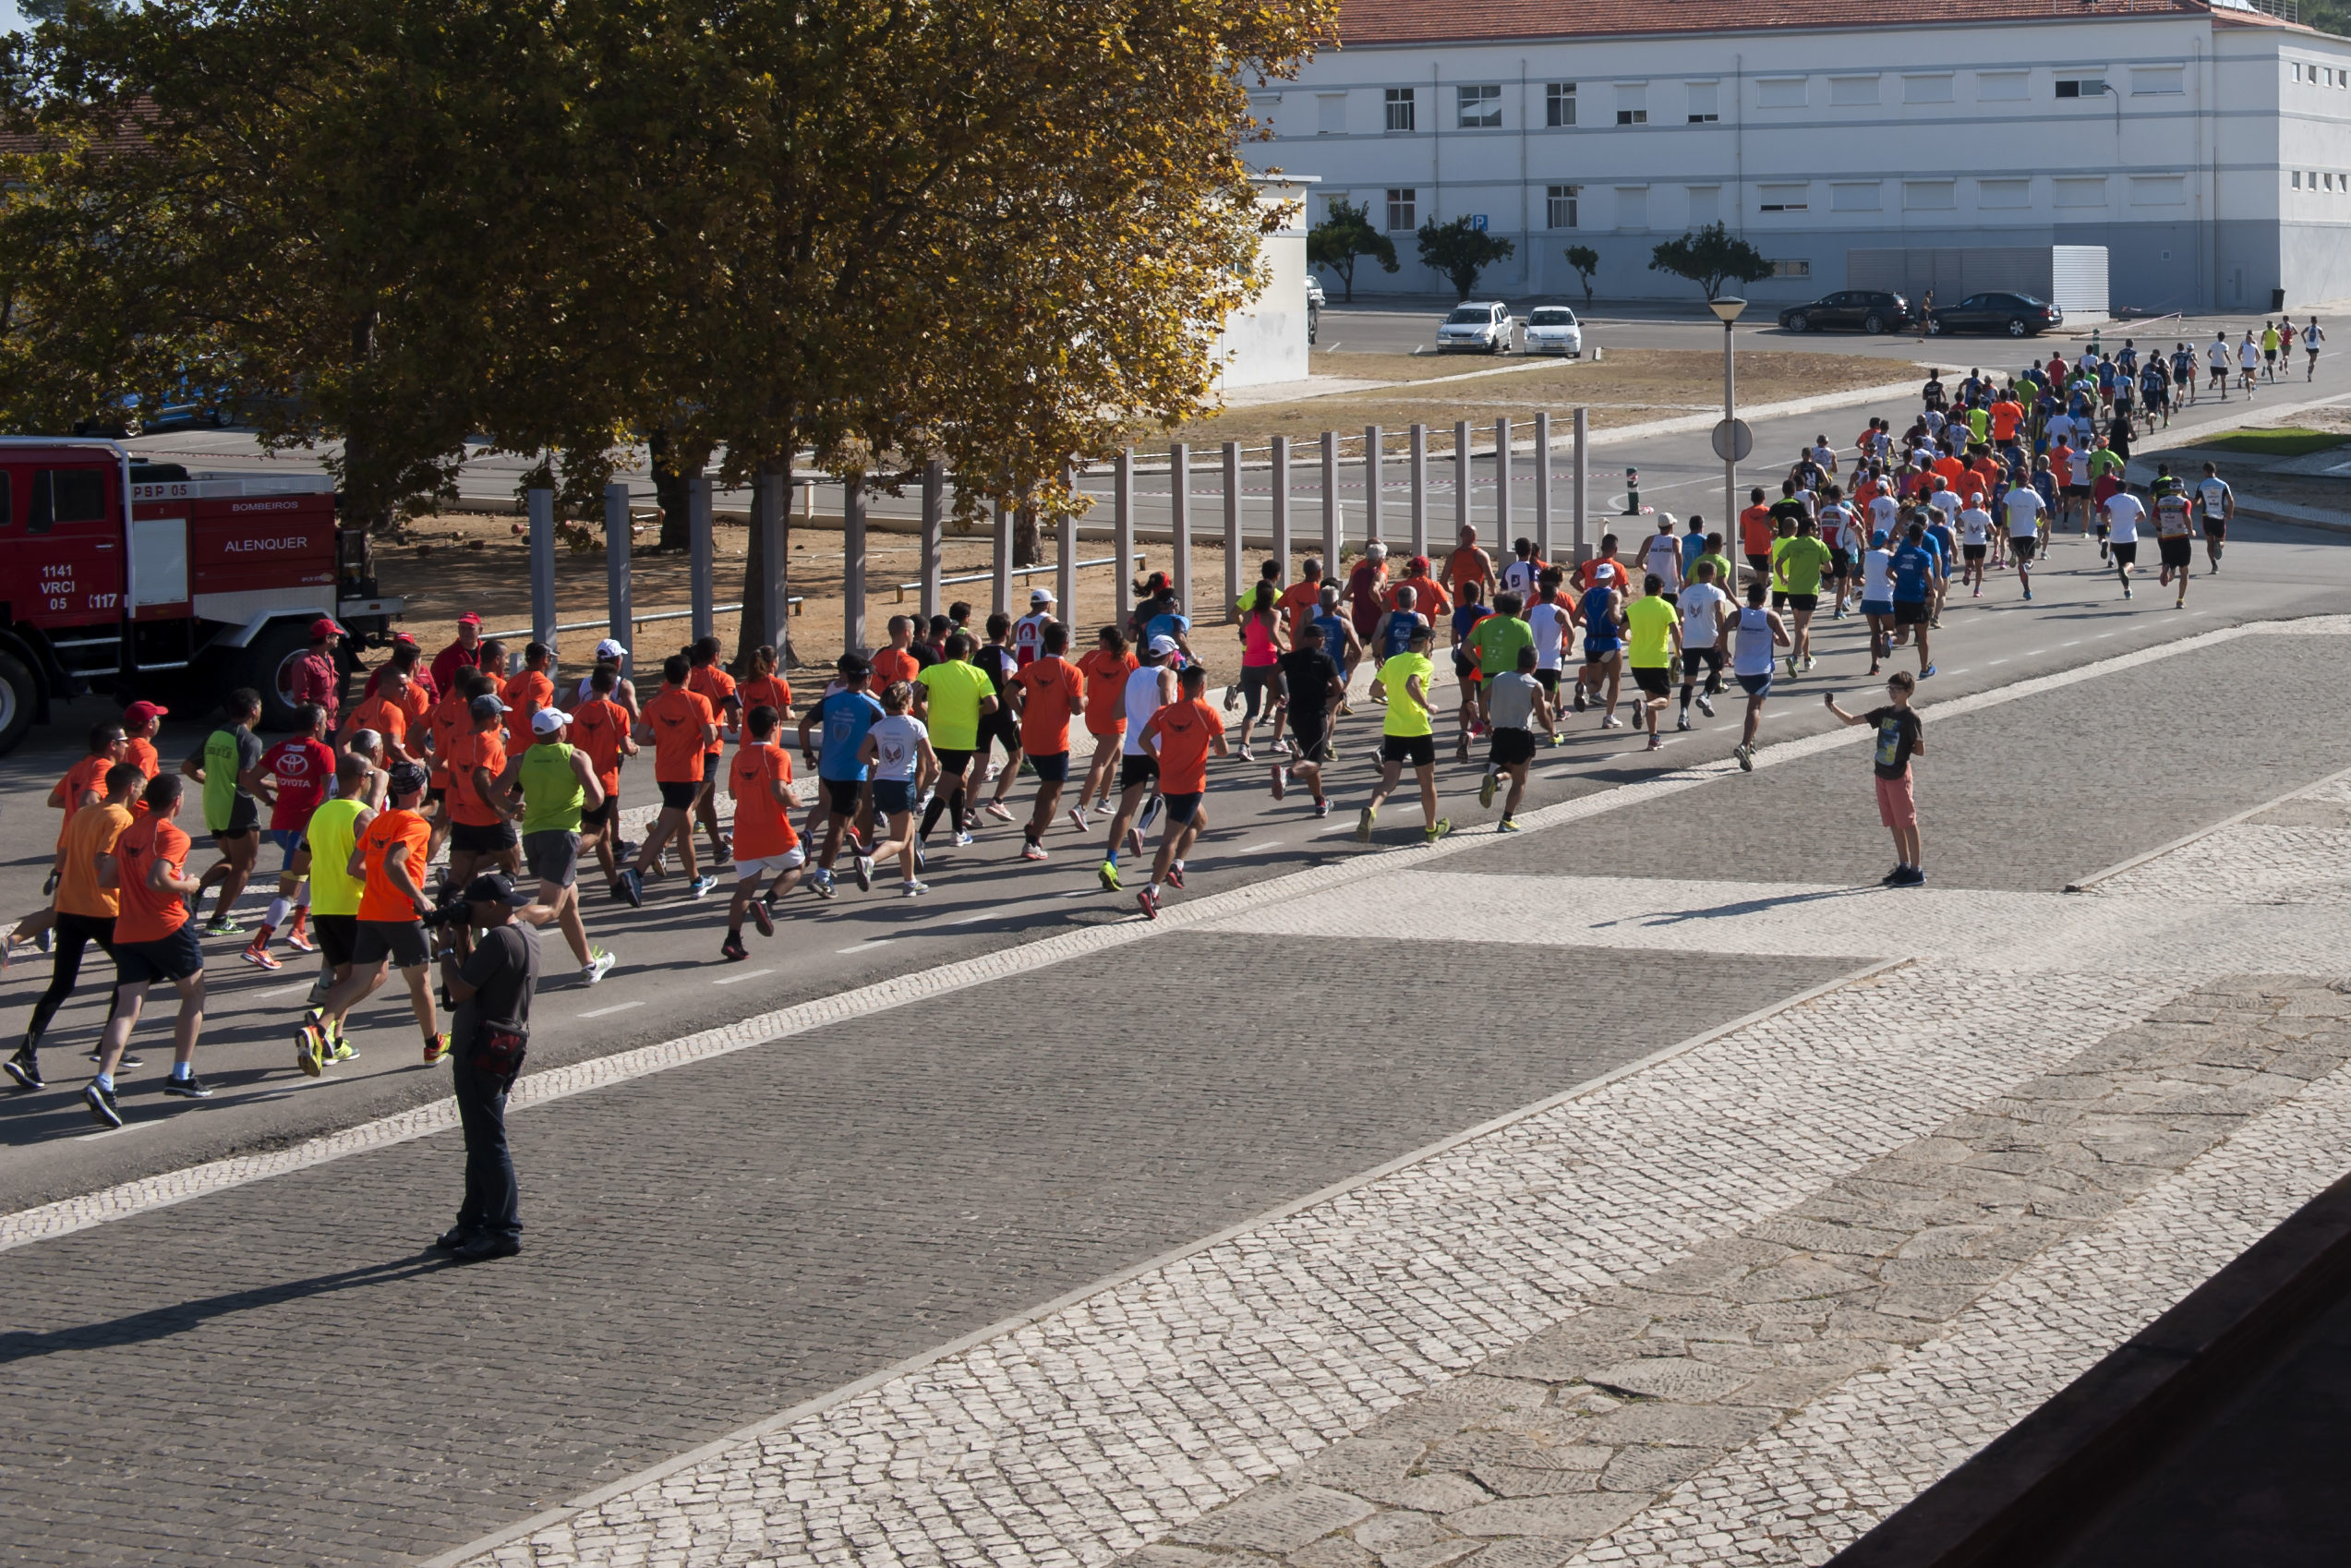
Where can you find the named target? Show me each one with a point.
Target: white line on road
(599, 1012)
(1253, 848)
(967, 920)
(864, 946)
(282, 990)
(739, 979)
(112, 1131)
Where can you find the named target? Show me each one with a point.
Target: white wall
(1264, 341)
(1923, 134)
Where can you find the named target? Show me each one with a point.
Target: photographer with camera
(492, 988)
(389, 856)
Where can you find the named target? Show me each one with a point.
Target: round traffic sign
(1734, 440)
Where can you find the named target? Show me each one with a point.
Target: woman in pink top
(1260, 657)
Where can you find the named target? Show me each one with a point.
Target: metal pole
(1333, 524)
(542, 508)
(1461, 478)
(1002, 603)
(1122, 539)
(1502, 487)
(1582, 483)
(774, 504)
(1419, 462)
(854, 565)
(1543, 487)
(934, 537)
(1280, 506)
(617, 542)
(1065, 576)
(698, 576)
(1232, 531)
(1180, 523)
(1729, 468)
(1371, 455)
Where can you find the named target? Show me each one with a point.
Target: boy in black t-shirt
(1900, 736)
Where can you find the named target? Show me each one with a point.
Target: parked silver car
(1553, 329)
(1484, 327)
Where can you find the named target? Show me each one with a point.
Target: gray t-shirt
(503, 970)
(1509, 702)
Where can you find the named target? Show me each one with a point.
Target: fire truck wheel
(268, 667)
(20, 699)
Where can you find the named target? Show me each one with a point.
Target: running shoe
(49, 883)
(1321, 810)
(126, 1063)
(861, 866)
(1507, 824)
(1612, 722)
(2028, 596)
(188, 1087)
(1277, 781)
(1746, 755)
(1032, 850)
(1809, 662)
(962, 838)
(1077, 816)
(1557, 740)
(1706, 704)
(702, 885)
(761, 918)
(2126, 593)
(310, 1049)
(1109, 875)
(299, 940)
(24, 1068)
(922, 860)
(1913, 878)
(732, 949)
(1485, 791)
(1149, 902)
(101, 1101)
(339, 1049)
(600, 964)
(1175, 877)
(1977, 595)
(1682, 723)
(1346, 709)
(631, 887)
(1245, 753)
(1657, 742)
(436, 1049)
(1927, 671)
(260, 958)
(1579, 699)
(822, 884)
(912, 889)
(224, 928)
(1363, 825)
(1892, 877)
(1794, 668)
(1232, 698)
(996, 809)
(1430, 834)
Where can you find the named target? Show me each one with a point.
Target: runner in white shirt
(1974, 528)
(1148, 688)
(1756, 636)
(1946, 502)
(897, 751)
(2248, 360)
(2122, 512)
(2217, 503)
(2025, 507)
(1028, 632)
(2216, 355)
(1662, 555)
(2314, 339)
(1705, 612)
(1553, 627)
(1877, 597)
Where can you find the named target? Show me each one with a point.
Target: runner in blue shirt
(1914, 575)
(847, 713)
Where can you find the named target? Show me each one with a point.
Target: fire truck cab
(146, 581)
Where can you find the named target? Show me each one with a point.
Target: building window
(1784, 197)
(1559, 104)
(1779, 92)
(2298, 71)
(1631, 116)
(1562, 207)
(1856, 198)
(1791, 269)
(1703, 105)
(2081, 192)
(2004, 193)
(1403, 209)
(1479, 108)
(1934, 88)
(1705, 205)
(1330, 113)
(1632, 104)
(1632, 206)
(2084, 87)
(1400, 109)
(2159, 190)
(2003, 86)
(2158, 82)
(1930, 196)
(2297, 179)
(1852, 91)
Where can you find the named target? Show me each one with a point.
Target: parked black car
(1867, 310)
(2017, 315)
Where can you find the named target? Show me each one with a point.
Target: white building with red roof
(2206, 147)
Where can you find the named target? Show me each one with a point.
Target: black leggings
(957, 767)
(71, 935)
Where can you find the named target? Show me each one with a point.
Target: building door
(2235, 284)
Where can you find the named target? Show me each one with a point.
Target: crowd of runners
(483, 760)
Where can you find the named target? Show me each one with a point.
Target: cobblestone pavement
(1812, 1219)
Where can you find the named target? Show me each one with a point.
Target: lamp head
(1727, 308)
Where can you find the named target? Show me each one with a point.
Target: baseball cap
(407, 778)
(850, 666)
(490, 888)
(548, 721)
(610, 649)
(140, 713)
(469, 618)
(408, 638)
(324, 627)
(1163, 645)
(1040, 595)
(486, 705)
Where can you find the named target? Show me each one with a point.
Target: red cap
(469, 618)
(403, 637)
(323, 627)
(140, 713)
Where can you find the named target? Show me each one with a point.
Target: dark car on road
(2017, 315)
(1862, 309)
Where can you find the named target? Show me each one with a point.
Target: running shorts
(1053, 767)
(2021, 546)
(892, 796)
(1000, 727)
(1710, 659)
(952, 764)
(1549, 678)
(1508, 748)
(1841, 562)
(596, 818)
(2178, 551)
(1313, 741)
(1975, 552)
(1182, 809)
(841, 795)
(1877, 606)
(1599, 650)
(173, 957)
(1137, 770)
(336, 934)
(403, 941)
(552, 855)
(496, 838)
(2215, 530)
(1420, 750)
(769, 865)
(1756, 685)
(2125, 555)
(1762, 564)
(1656, 680)
(680, 794)
(1806, 603)
(1909, 613)
(2077, 489)
(288, 840)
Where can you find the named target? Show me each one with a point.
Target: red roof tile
(1431, 21)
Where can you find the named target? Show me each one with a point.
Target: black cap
(490, 888)
(407, 778)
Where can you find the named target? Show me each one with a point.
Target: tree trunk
(670, 494)
(753, 628)
(1028, 549)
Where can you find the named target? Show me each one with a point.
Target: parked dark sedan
(1867, 310)
(2017, 315)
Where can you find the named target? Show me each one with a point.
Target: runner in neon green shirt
(1656, 641)
(1405, 737)
(1800, 563)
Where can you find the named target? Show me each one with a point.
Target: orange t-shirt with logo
(1756, 531)
(92, 832)
(2005, 417)
(380, 899)
(527, 692)
(765, 691)
(677, 715)
(891, 665)
(383, 716)
(716, 686)
(1428, 596)
(453, 717)
(141, 755)
(86, 777)
(482, 749)
(1186, 731)
(417, 704)
(1298, 601)
(1055, 689)
(147, 914)
(762, 824)
(1105, 674)
(598, 726)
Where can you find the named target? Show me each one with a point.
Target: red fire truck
(144, 580)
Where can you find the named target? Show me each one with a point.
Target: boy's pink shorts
(1896, 807)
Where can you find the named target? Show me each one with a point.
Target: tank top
(1751, 653)
(331, 835)
(1257, 644)
(552, 792)
(1600, 629)
(1143, 701)
(1335, 637)
(1399, 634)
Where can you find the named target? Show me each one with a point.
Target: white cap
(1040, 595)
(548, 721)
(610, 649)
(1163, 645)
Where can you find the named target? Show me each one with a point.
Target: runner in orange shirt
(682, 726)
(1757, 533)
(600, 728)
(140, 722)
(481, 815)
(153, 940)
(528, 689)
(390, 854)
(1469, 563)
(760, 783)
(84, 910)
(386, 713)
(1181, 735)
(897, 662)
(85, 785)
(1428, 596)
(1299, 601)
(452, 719)
(1105, 670)
(1047, 695)
(717, 687)
(764, 685)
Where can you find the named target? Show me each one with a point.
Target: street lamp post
(1727, 309)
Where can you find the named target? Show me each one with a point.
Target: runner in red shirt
(153, 940)
(1181, 735)
(304, 768)
(760, 783)
(1047, 695)
(718, 688)
(1105, 670)
(600, 728)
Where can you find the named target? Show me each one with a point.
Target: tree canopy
(1346, 235)
(1460, 251)
(1709, 257)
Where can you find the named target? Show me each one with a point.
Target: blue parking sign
(1479, 223)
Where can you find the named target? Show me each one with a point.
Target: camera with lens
(447, 912)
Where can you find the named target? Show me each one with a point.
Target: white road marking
(599, 1012)
(739, 979)
(282, 990)
(111, 1131)
(1253, 848)
(864, 946)
(967, 920)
